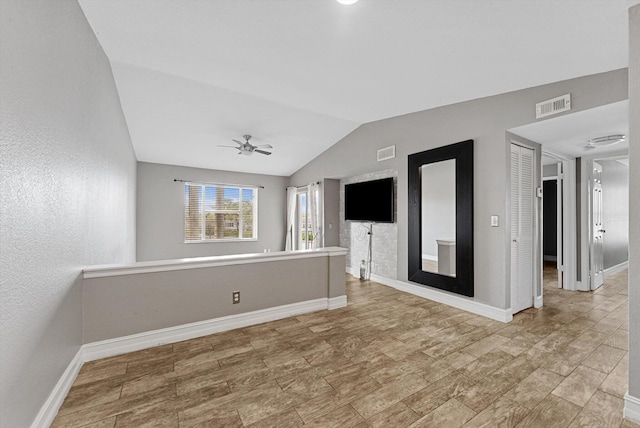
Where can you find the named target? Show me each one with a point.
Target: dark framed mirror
(441, 218)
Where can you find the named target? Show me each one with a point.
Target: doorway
(552, 220)
(605, 230)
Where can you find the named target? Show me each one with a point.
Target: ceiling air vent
(553, 106)
(387, 153)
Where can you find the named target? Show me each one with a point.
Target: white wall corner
(50, 408)
(337, 302)
(537, 302)
(617, 268)
(632, 408)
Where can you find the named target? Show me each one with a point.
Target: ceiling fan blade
(237, 142)
(233, 147)
(266, 146)
(262, 151)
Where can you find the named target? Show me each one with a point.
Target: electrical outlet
(235, 297)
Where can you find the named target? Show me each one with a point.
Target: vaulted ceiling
(301, 74)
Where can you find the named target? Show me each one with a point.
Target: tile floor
(388, 359)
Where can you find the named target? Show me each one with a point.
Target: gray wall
(117, 306)
(615, 212)
(384, 242)
(331, 208)
(160, 212)
(634, 201)
(550, 170)
(67, 192)
(483, 120)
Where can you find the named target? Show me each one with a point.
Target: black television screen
(369, 201)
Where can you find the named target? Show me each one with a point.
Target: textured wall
(634, 201)
(160, 212)
(484, 120)
(615, 212)
(353, 235)
(117, 306)
(331, 215)
(67, 196)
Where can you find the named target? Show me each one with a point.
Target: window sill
(215, 241)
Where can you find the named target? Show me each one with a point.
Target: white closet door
(522, 205)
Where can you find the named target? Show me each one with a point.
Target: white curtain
(315, 211)
(292, 196)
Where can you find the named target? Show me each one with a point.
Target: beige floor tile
(502, 413)
(344, 416)
(602, 411)
(534, 388)
(617, 381)
(451, 414)
(618, 339)
(388, 359)
(604, 358)
(390, 394)
(286, 419)
(552, 412)
(580, 385)
(398, 415)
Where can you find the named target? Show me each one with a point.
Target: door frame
(559, 216)
(537, 218)
(595, 282)
(586, 213)
(567, 175)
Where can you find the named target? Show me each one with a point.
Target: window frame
(203, 226)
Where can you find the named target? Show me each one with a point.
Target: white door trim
(569, 219)
(536, 280)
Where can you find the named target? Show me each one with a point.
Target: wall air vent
(553, 106)
(387, 153)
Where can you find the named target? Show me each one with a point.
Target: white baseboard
(632, 408)
(617, 268)
(537, 302)
(464, 303)
(337, 302)
(136, 342)
(50, 408)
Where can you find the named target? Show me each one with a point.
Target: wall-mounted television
(369, 201)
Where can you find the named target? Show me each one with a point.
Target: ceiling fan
(247, 148)
(608, 140)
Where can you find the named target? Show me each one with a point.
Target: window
(308, 218)
(219, 212)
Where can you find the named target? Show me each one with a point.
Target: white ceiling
(568, 135)
(302, 74)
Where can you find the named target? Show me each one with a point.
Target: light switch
(494, 221)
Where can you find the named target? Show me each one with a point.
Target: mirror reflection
(438, 210)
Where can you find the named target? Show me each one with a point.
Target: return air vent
(387, 153)
(553, 106)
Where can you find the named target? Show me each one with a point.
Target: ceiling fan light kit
(247, 148)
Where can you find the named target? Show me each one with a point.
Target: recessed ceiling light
(347, 2)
